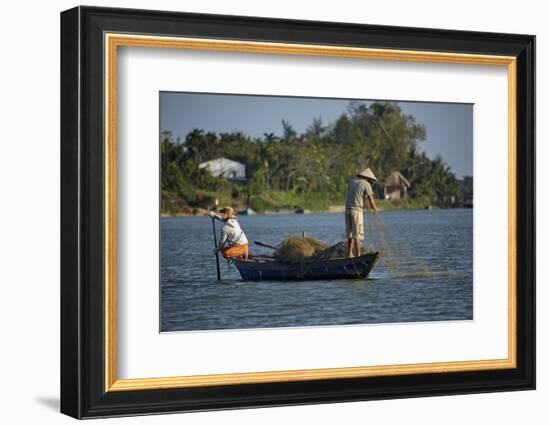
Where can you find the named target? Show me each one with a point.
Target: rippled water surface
(439, 240)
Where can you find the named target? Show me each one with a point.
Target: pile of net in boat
(339, 250)
(295, 249)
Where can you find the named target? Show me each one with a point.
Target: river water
(437, 240)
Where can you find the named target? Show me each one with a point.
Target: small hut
(395, 186)
(226, 169)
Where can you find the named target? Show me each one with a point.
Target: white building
(225, 168)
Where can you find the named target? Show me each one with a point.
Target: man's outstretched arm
(372, 202)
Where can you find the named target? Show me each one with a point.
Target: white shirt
(232, 234)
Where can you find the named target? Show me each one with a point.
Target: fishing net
(393, 256)
(399, 261)
(377, 234)
(295, 249)
(339, 250)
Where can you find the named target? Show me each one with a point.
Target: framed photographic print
(261, 212)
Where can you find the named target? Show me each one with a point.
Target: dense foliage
(306, 170)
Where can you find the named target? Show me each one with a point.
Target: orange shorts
(236, 251)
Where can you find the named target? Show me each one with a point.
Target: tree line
(317, 163)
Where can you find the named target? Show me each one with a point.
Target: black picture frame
(83, 392)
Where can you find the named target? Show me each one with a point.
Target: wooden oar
(216, 246)
(266, 245)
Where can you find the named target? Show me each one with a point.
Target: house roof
(220, 160)
(396, 179)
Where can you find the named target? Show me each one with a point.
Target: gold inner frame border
(113, 40)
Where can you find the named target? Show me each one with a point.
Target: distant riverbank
(383, 205)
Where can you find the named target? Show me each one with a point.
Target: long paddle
(267, 245)
(216, 246)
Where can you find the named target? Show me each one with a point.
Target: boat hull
(340, 268)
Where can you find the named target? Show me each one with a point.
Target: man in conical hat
(358, 194)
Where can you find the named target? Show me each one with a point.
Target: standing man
(359, 191)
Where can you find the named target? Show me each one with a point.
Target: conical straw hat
(367, 172)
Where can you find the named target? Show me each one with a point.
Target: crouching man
(359, 192)
(233, 242)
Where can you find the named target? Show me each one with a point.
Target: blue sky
(449, 126)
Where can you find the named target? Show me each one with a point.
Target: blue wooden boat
(268, 268)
